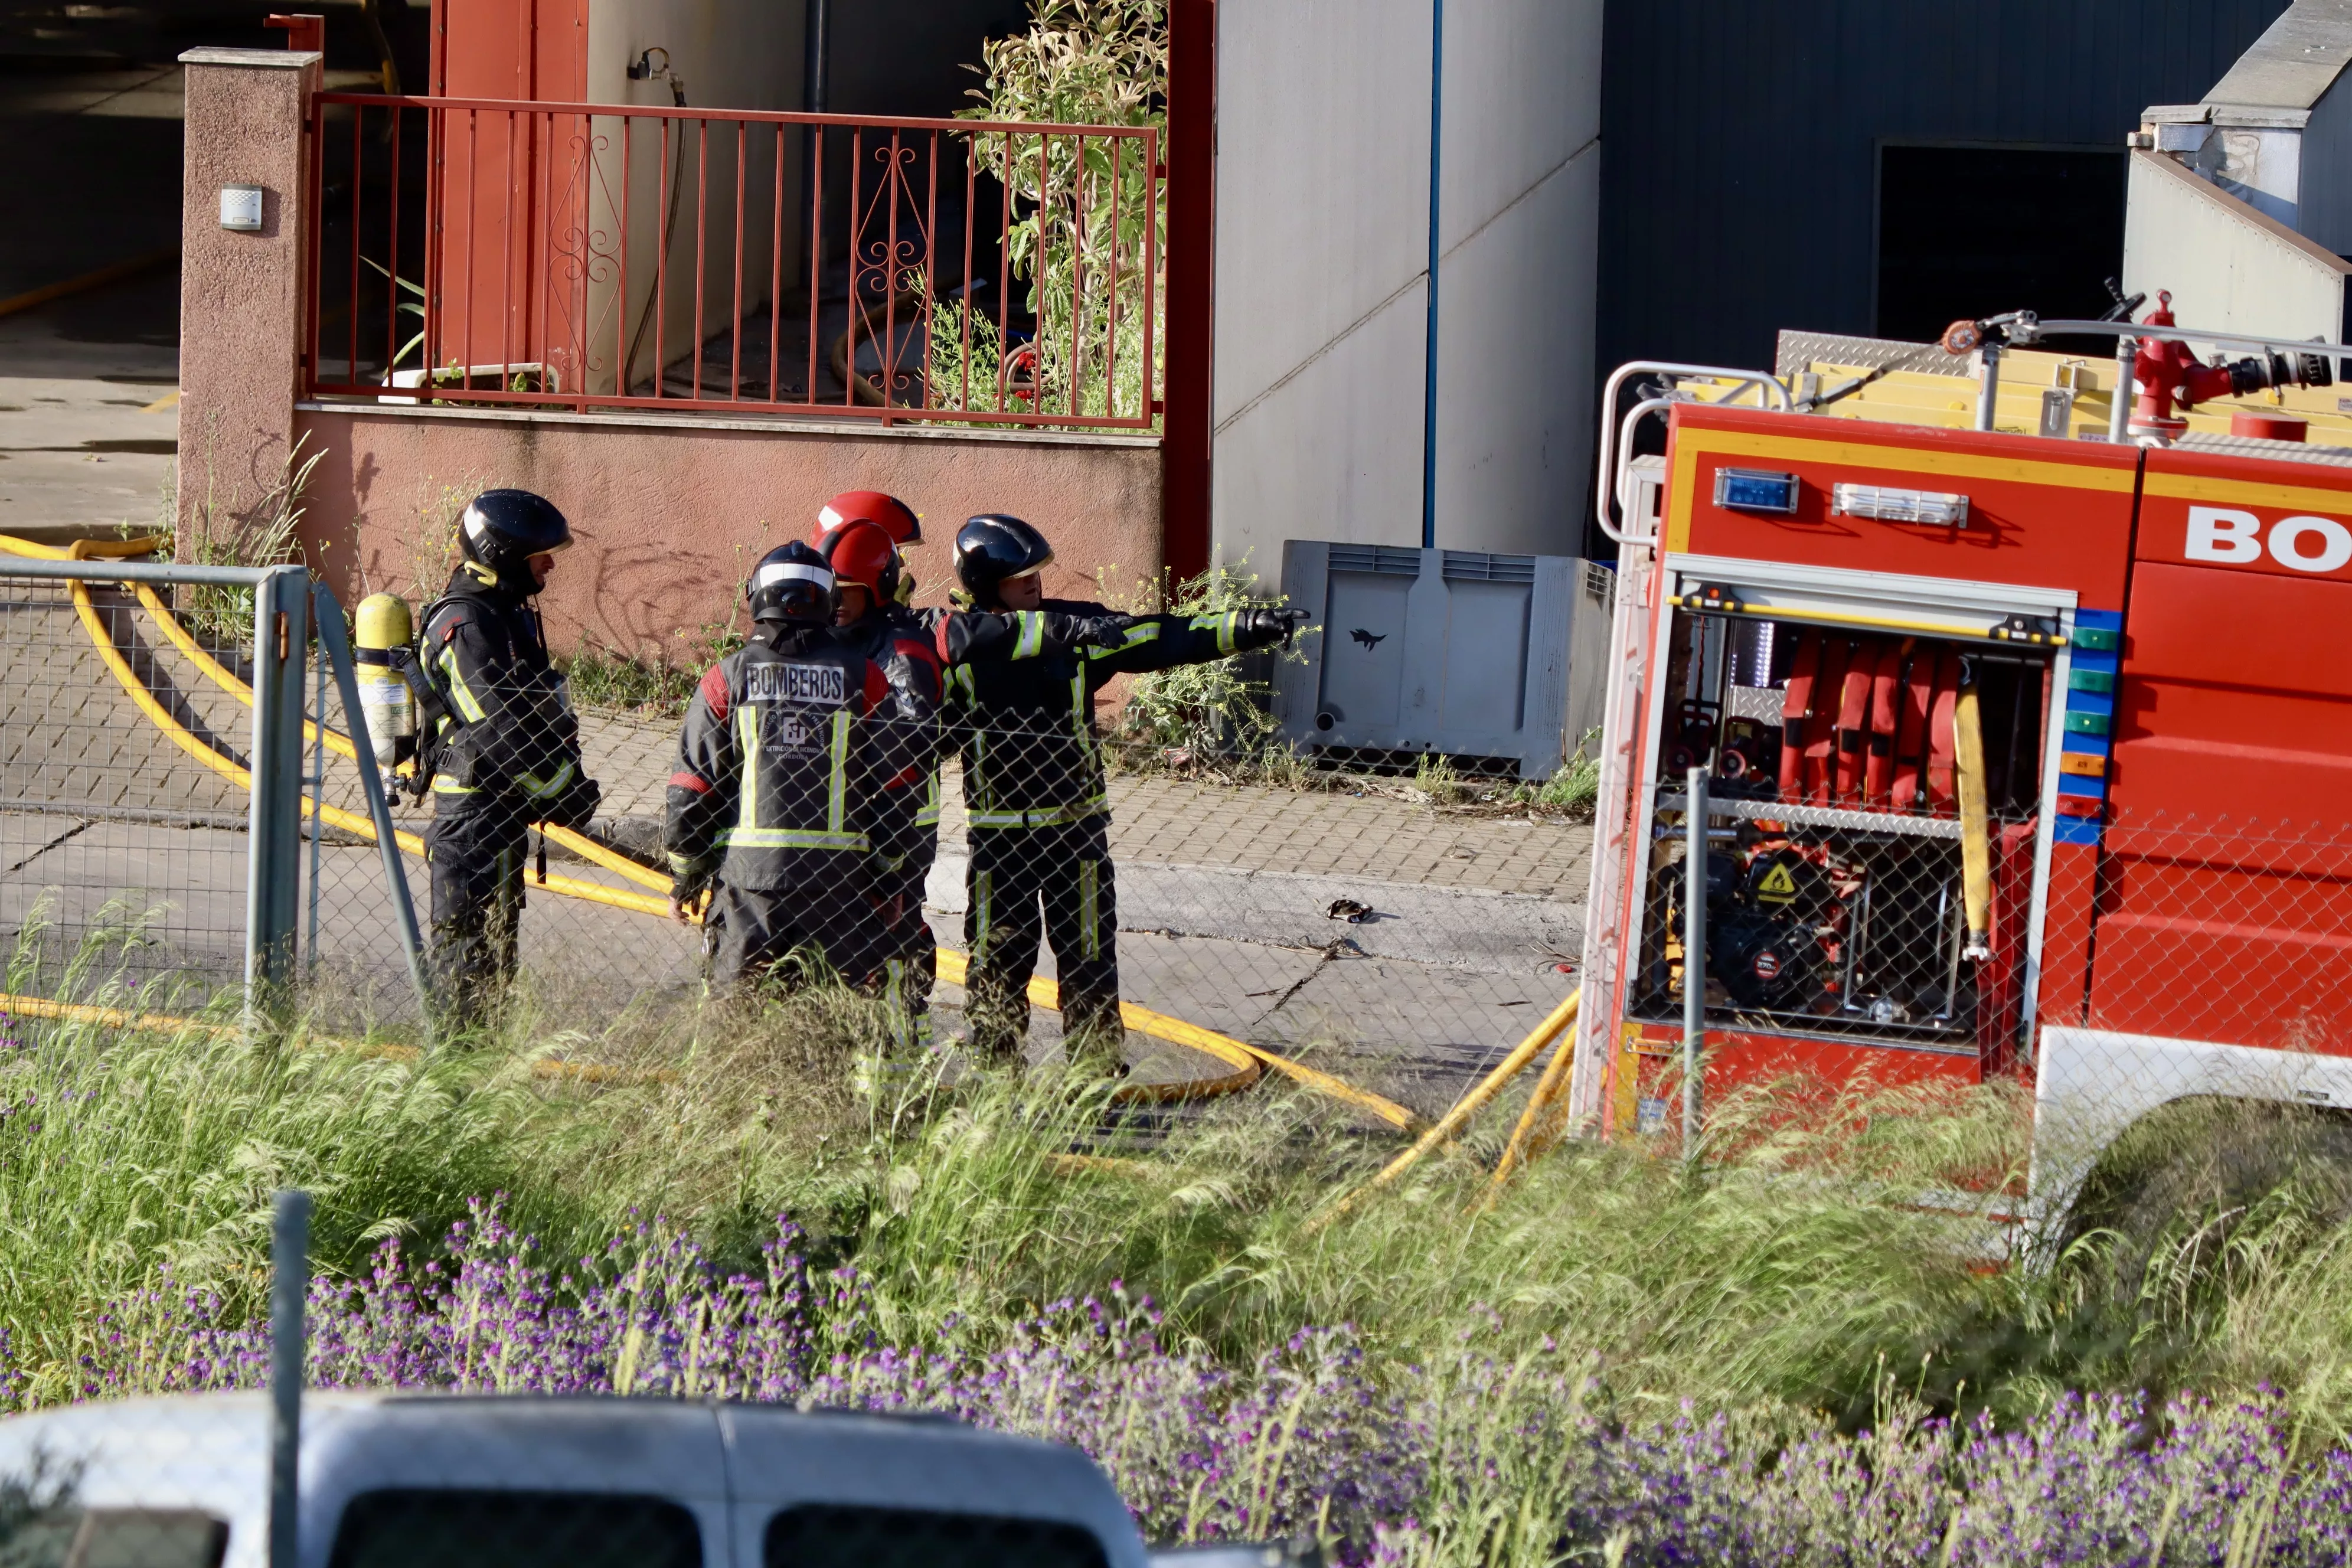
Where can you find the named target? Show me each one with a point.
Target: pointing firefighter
(861, 533)
(503, 747)
(797, 754)
(1033, 785)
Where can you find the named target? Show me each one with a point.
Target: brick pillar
(241, 294)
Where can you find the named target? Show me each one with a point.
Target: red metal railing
(588, 256)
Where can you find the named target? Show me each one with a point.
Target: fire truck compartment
(1825, 713)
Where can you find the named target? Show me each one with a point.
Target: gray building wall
(2325, 212)
(1322, 253)
(1739, 193)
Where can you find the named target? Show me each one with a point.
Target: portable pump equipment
(2016, 750)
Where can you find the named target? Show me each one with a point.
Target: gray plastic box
(1458, 652)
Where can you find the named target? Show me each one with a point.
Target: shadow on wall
(670, 516)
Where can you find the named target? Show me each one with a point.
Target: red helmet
(860, 552)
(890, 514)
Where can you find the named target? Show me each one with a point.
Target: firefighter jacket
(1021, 699)
(507, 733)
(901, 641)
(800, 764)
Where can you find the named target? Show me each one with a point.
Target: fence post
(1693, 956)
(282, 635)
(290, 1279)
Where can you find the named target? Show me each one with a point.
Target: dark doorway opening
(1975, 231)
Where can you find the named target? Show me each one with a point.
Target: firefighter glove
(688, 875)
(1262, 626)
(576, 807)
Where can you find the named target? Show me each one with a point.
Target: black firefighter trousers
(477, 855)
(1056, 881)
(783, 937)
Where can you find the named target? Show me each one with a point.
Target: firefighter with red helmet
(793, 766)
(894, 518)
(501, 747)
(870, 617)
(859, 534)
(1034, 790)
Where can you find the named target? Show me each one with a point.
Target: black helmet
(991, 548)
(502, 529)
(792, 583)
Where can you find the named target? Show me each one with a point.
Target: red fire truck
(2025, 753)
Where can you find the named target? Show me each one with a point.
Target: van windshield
(831, 1535)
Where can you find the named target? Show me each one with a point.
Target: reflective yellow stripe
(444, 784)
(790, 838)
(1082, 716)
(1090, 912)
(928, 814)
(1049, 816)
(462, 695)
(837, 800)
(984, 909)
(533, 786)
(1222, 624)
(975, 777)
(747, 736)
(1031, 639)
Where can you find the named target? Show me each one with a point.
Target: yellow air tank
(385, 632)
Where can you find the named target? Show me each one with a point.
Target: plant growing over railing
(1088, 229)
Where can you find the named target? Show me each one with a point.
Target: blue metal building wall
(1740, 140)
(2325, 214)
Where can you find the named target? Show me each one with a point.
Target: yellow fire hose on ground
(1246, 1062)
(174, 1022)
(1449, 1125)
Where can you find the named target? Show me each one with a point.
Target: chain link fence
(1402, 936)
(125, 806)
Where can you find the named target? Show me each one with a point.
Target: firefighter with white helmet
(503, 747)
(795, 767)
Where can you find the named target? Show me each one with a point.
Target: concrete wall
(2228, 266)
(1322, 250)
(671, 511)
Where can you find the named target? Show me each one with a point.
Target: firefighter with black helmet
(504, 747)
(1034, 790)
(795, 761)
(861, 535)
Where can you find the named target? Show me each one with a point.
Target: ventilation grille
(1477, 566)
(1384, 558)
(1600, 585)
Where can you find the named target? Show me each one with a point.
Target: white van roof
(210, 1452)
